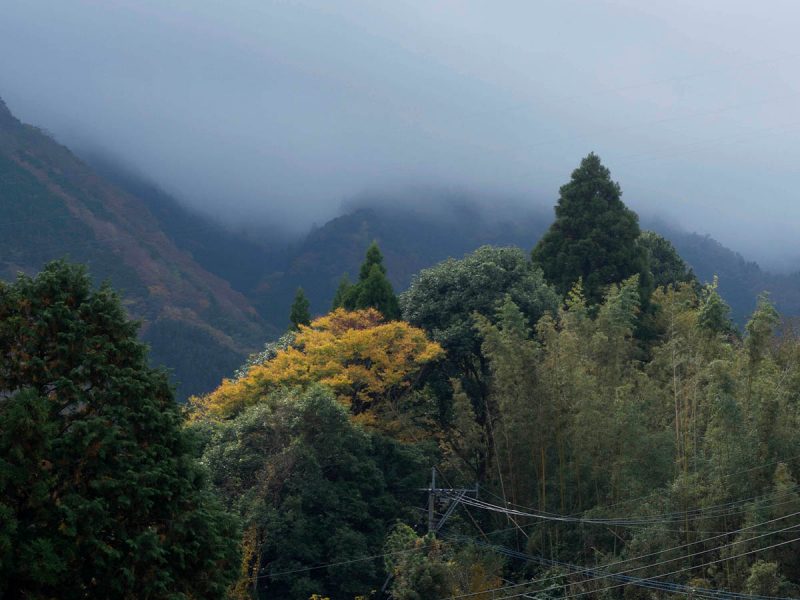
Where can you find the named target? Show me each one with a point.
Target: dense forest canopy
(585, 421)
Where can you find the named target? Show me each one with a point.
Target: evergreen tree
(666, 265)
(373, 290)
(300, 313)
(99, 494)
(373, 258)
(594, 237)
(341, 292)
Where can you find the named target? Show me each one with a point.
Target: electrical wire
(684, 557)
(695, 513)
(793, 540)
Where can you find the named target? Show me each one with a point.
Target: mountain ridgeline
(208, 296)
(412, 239)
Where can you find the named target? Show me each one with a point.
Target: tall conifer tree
(300, 313)
(594, 237)
(100, 496)
(373, 290)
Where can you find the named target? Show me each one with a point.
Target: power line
(705, 540)
(696, 513)
(659, 563)
(793, 540)
(646, 582)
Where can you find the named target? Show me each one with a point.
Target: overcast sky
(282, 110)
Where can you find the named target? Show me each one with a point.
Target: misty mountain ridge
(208, 295)
(416, 227)
(55, 206)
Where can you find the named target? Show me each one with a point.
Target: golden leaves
(363, 359)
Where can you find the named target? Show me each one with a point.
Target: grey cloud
(281, 110)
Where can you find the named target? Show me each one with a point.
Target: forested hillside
(579, 420)
(622, 444)
(54, 206)
(412, 239)
(740, 281)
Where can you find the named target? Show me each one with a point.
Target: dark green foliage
(311, 488)
(373, 289)
(342, 291)
(419, 566)
(99, 494)
(197, 359)
(666, 265)
(300, 313)
(373, 258)
(594, 236)
(444, 300)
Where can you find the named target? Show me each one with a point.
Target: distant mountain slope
(230, 255)
(740, 280)
(53, 206)
(412, 239)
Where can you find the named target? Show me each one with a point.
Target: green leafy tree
(100, 495)
(300, 313)
(311, 488)
(594, 237)
(419, 566)
(373, 289)
(444, 300)
(373, 258)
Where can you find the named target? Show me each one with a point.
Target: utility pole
(431, 497)
(434, 492)
(454, 494)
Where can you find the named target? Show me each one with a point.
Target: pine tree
(666, 265)
(373, 290)
(300, 313)
(373, 258)
(341, 292)
(99, 494)
(594, 237)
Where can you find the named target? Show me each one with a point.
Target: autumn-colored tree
(369, 363)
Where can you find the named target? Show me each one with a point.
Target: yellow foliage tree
(368, 363)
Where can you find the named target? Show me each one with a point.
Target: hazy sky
(281, 110)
